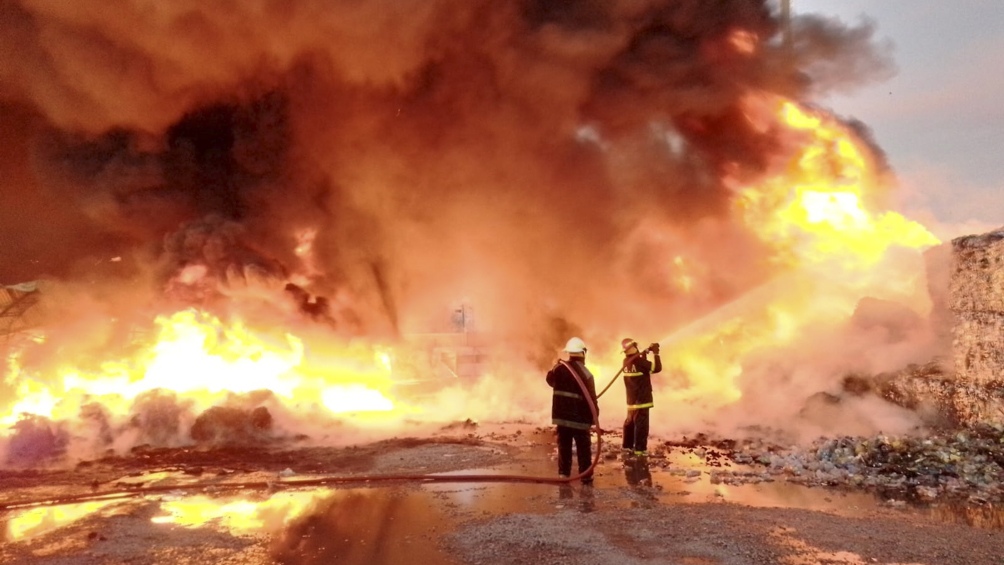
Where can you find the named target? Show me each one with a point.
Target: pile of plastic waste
(961, 464)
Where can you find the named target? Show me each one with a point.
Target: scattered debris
(959, 464)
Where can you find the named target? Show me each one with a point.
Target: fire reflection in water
(319, 526)
(34, 522)
(371, 527)
(239, 515)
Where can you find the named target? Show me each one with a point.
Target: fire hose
(325, 481)
(621, 370)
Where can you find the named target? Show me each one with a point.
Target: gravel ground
(667, 511)
(720, 533)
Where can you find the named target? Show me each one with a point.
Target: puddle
(780, 494)
(497, 498)
(23, 525)
(383, 525)
(366, 526)
(651, 483)
(645, 485)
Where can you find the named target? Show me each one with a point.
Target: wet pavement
(405, 522)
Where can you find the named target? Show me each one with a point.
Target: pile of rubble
(927, 389)
(967, 464)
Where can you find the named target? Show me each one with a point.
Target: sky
(940, 118)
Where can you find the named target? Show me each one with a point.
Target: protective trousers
(583, 450)
(636, 429)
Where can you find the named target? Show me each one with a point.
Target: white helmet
(575, 345)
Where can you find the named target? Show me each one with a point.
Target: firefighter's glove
(654, 348)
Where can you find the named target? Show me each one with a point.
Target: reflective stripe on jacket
(638, 380)
(568, 405)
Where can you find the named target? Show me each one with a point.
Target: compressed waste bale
(927, 389)
(981, 403)
(977, 281)
(977, 302)
(978, 346)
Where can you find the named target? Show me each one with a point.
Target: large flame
(205, 361)
(818, 209)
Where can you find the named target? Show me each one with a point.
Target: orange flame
(816, 212)
(202, 359)
(817, 209)
(33, 522)
(239, 515)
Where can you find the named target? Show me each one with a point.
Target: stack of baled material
(976, 291)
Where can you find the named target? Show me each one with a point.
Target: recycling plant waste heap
(288, 223)
(977, 302)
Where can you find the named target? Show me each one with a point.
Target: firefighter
(570, 410)
(638, 385)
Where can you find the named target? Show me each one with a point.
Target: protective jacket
(568, 405)
(638, 380)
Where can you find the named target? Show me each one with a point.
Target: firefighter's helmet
(575, 345)
(628, 343)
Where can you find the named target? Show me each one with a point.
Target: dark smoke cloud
(503, 152)
(835, 58)
(39, 233)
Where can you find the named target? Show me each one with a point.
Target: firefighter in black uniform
(570, 410)
(638, 384)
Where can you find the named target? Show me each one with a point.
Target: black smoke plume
(508, 153)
